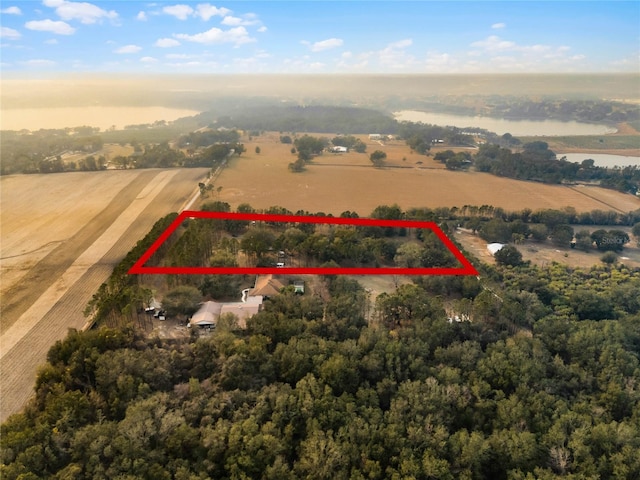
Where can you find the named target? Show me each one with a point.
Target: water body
(501, 126)
(602, 159)
(96, 116)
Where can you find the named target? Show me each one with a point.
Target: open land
(333, 183)
(543, 254)
(62, 234)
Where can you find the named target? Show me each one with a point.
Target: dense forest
(542, 383)
(539, 380)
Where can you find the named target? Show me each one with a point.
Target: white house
(375, 136)
(338, 149)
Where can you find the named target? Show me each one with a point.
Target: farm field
(335, 183)
(61, 236)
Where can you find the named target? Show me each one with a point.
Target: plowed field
(61, 236)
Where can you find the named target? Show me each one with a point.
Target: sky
(382, 37)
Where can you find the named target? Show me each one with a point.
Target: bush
(609, 258)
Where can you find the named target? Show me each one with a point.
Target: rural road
(46, 302)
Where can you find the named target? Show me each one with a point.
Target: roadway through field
(48, 317)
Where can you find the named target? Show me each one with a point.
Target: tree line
(538, 163)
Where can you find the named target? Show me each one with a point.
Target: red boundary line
(139, 268)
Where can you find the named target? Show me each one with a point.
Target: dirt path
(47, 318)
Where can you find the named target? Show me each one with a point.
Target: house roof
(210, 312)
(243, 310)
(207, 314)
(266, 286)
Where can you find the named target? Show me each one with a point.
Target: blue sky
(320, 37)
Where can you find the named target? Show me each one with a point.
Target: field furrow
(60, 304)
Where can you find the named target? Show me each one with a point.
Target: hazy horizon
(195, 91)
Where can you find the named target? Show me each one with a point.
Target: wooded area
(538, 380)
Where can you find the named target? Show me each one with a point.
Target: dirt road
(50, 298)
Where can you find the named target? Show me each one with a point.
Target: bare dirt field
(335, 183)
(61, 236)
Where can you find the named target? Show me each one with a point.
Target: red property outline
(467, 268)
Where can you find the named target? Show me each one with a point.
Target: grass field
(62, 234)
(335, 183)
(625, 142)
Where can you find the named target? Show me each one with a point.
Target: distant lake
(96, 116)
(516, 128)
(601, 159)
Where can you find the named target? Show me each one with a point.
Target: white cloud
(38, 62)
(166, 43)
(128, 49)
(10, 33)
(148, 60)
(346, 55)
(178, 56)
(393, 56)
(194, 64)
(497, 26)
(206, 11)
(86, 13)
(262, 29)
(326, 44)
(237, 36)
(58, 27)
(141, 16)
(181, 12)
(493, 43)
(437, 62)
(248, 19)
(11, 11)
(506, 55)
(51, 41)
(407, 42)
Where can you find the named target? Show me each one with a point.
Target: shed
(298, 286)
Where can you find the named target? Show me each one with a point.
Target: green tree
(182, 300)
(257, 241)
(583, 240)
(562, 235)
(258, 150)
(636, 232)
(508, 255)
(378, 157)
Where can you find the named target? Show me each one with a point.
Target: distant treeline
(517, 108)
(318, 119)
(536, 162)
